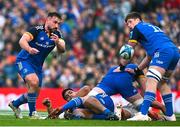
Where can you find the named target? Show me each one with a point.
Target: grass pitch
(7, 119)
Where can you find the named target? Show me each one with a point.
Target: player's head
(132, 19)
(68, 94)
(52, 21)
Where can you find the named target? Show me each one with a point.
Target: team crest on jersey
(25, 71)
(47, 43)
(42, 38)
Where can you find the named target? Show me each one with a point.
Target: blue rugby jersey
(120, 81)
(151, 37)
(42, 42)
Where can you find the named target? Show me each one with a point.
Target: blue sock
(99, 116)
(31, 102)
(21, 100)
(76, 102)
(106, 112)
(149, 97)
(168, 104)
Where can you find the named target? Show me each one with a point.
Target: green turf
(7, 119)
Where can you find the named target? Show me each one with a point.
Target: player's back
(152, 38)
(116, 80)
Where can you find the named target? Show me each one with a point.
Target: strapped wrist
(138, 72)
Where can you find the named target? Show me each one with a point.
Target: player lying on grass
(90, 113)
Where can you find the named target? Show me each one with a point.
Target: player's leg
(94, 104)
(130, 93)
(167, 98)
(33, 91)
(128, 111)
(83, 113)
(101, 104)
(136, 100)
(155, 116)
(163, 60)
(153, 77)
(165, 89)
(23, 69)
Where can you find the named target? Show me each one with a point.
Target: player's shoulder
(111, 69)
(142, 24)
(36, 28)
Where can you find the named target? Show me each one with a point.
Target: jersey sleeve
(134, 35)
(32, 32)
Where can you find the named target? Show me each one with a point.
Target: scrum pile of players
(93, 103)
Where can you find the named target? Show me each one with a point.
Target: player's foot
(140, 117)
(170, 118)
(35, 115)
(118, 110)
(112, 116)
(17, 111)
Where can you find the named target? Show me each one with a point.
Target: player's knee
(34, 83)
(153, 73)
(32, 80)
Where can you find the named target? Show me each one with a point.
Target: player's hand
(33, 51)
(46, 102)
(54, 37)
(130, 70)
(55, 113)
(68, 114)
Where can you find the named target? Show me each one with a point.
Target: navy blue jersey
(42, 42)
(115, 81)
(151, 37)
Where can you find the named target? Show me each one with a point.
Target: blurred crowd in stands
(94, 31)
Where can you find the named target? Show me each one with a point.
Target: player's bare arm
(24, 43)
(83, 91)
(144, 62)
(80, 93)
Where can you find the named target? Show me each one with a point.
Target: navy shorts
(166, 58)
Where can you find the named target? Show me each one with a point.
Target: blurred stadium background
(94, 31)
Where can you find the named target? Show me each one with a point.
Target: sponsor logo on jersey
(45, 45)
(159, 62)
